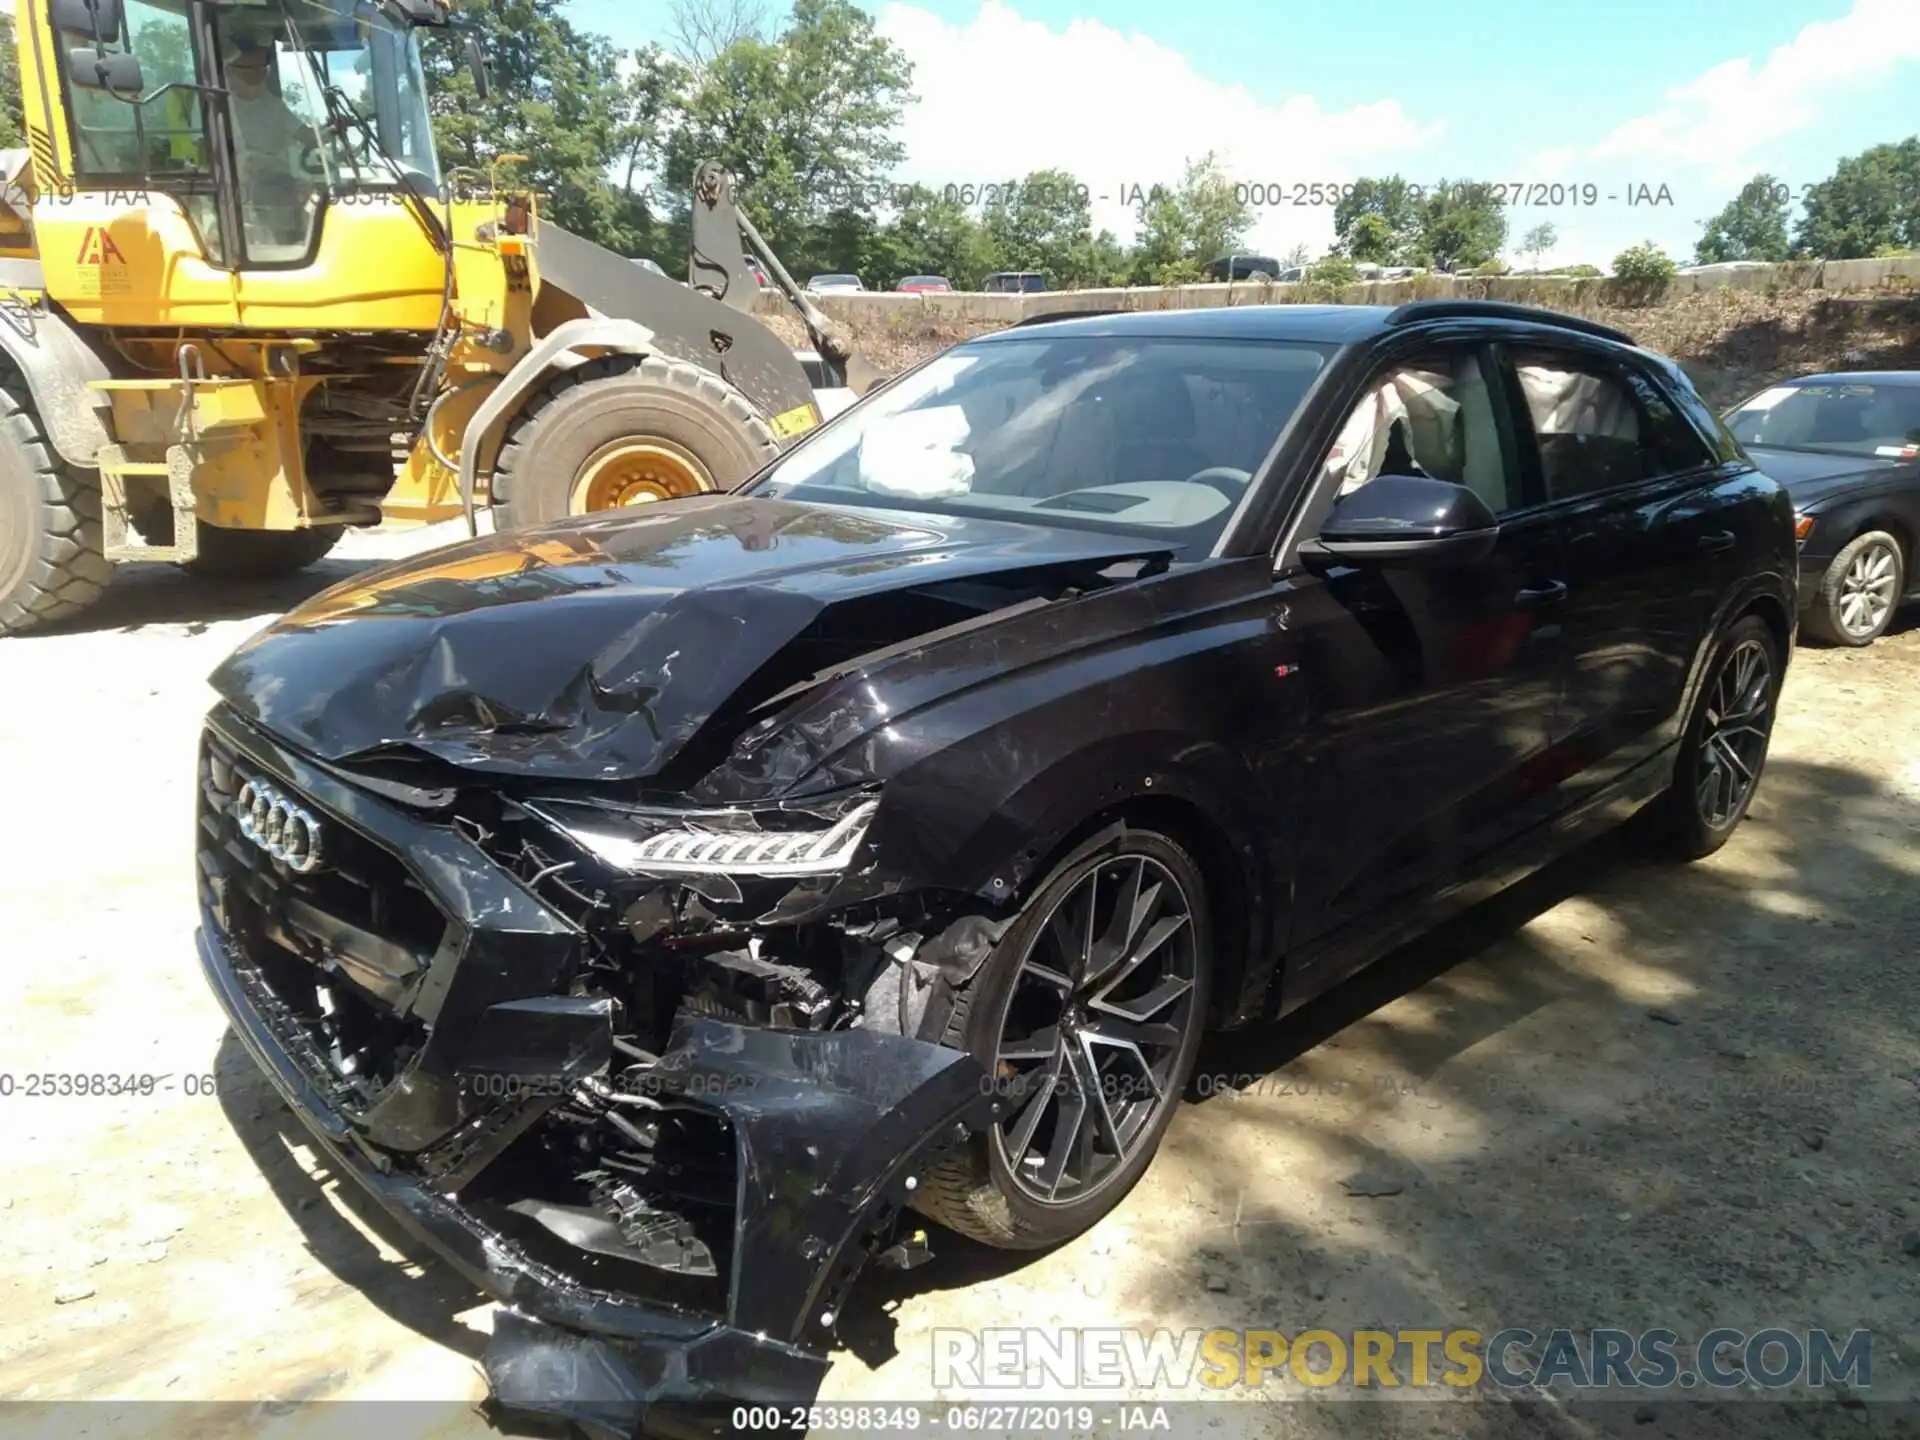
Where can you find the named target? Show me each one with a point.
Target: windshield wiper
(342, 115)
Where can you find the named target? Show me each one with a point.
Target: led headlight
(731, 842)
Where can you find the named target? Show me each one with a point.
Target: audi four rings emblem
(287, 831)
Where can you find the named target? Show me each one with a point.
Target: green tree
(806, 123)
(1870, 204)
(1041, 223)
(651, 87)
(1379, 221)
(1100, 262)
(1201, 219)
(557, 99)
(1644, 271)
(1332, 271)
(10, 114)
(933, 234)
(1538, 241)
(1752, 226)
(1461, 226)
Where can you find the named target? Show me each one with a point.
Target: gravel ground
(1622, 1094)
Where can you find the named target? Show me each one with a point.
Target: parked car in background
(924, 285)
(1017, 282)
(1243, 267)
(645, 264)
(835, 285)
(1847, 447)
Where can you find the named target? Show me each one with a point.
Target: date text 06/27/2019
(1255, 194)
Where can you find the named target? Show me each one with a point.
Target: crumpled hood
(596, 648)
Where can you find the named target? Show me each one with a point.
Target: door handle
(1538, 597)
(1718, 541)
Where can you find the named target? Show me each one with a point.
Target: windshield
(324, 98)
(344, 61)
(1156, 437)
(1846, 416)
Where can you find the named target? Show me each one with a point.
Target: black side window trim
(1709, 460)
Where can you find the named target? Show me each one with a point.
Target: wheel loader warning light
(97, 248)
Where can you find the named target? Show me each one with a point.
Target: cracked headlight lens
(714, 843)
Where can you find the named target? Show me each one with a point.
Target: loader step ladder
(182, 417)
(116, 534)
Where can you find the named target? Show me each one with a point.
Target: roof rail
(1415, 311)
(1052, 315)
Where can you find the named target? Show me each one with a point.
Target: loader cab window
(328, 103)
(114, 139)
(278, 164)
(161, 144)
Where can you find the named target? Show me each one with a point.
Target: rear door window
(1599, 426)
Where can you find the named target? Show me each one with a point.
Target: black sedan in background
(1847, 447)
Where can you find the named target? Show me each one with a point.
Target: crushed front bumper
(830, 1131)
(834, 1129)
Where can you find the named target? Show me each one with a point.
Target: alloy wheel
(1733, 744)
(1866, 590)
(1095, 1022)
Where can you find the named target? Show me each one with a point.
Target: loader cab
(262, 122)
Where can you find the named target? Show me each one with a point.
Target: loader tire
(51, 560)
(624, 432)
(259, 554)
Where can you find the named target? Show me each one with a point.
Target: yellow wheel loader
(241, 309)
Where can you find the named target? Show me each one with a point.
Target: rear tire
(260, 554)
(51, 560)
(979, 1191)
(1860, 592)
(1724, 750)
(566, 454)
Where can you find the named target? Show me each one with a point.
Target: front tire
(1088, 1014)
(614, 433)
(51, 561)
(1724, 749)
(1860, 591)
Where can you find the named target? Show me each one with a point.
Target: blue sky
(1695, 97)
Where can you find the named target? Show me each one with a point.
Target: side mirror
(1405, 521)
(97, 18)
(477, 65)
(93, 69)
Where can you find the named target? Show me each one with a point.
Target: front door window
(277, 146)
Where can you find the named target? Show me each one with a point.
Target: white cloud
(1003, 95)
(1720, 118)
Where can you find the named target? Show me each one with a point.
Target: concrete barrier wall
(880, 307)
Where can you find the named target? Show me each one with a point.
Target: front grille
(339, 953)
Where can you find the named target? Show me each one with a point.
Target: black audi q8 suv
(652, 908)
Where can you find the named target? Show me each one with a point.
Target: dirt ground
(1622, 1094)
